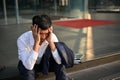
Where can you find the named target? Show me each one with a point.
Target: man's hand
(50, 41)
(36, 36)
(49, 38)
(36, 33)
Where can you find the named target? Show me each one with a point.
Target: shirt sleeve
(27, 55)
(56, 56)
(55, 53)
(54, 38)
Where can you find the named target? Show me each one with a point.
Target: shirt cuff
(56, 56)
(35, 55)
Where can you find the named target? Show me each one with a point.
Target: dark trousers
(59, 70)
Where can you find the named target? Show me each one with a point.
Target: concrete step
(106, 63)
(111, 77)
(118, 78)
(93, 70)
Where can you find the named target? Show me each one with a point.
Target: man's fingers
(34, 28)
(50, 29)
(39, 30)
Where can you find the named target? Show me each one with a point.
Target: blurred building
(20, 10)
(105, 5)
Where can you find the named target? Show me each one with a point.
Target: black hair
(43, 21)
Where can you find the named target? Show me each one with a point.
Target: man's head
(43, 21)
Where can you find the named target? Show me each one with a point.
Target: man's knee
(26, 74)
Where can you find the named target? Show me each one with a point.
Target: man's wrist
(36, 46)
(52, 46)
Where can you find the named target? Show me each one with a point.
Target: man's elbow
(28, 66)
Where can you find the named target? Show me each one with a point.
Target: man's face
(44, 34)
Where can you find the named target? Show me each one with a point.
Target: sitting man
(37, 51)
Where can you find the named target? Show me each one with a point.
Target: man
(37, 51)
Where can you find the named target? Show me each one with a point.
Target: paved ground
(102, 72)
(101, 41)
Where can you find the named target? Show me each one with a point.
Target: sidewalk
(107, 71)
(106, 68)
(104, 41)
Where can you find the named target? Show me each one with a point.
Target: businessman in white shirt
(32, 46)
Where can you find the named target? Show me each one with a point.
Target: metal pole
(85, 8)
(55, 6)
(69, 3)
(17, 11)
(5, 12)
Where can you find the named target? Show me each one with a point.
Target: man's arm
(25, 53)
(51, 41)
(36, 36)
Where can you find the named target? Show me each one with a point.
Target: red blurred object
(81, 23)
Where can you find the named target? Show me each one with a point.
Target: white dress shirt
(26, 53)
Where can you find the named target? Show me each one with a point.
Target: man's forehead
(44, 31)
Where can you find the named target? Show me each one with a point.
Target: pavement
(105, 68)
(107, 71)
(92, 43)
